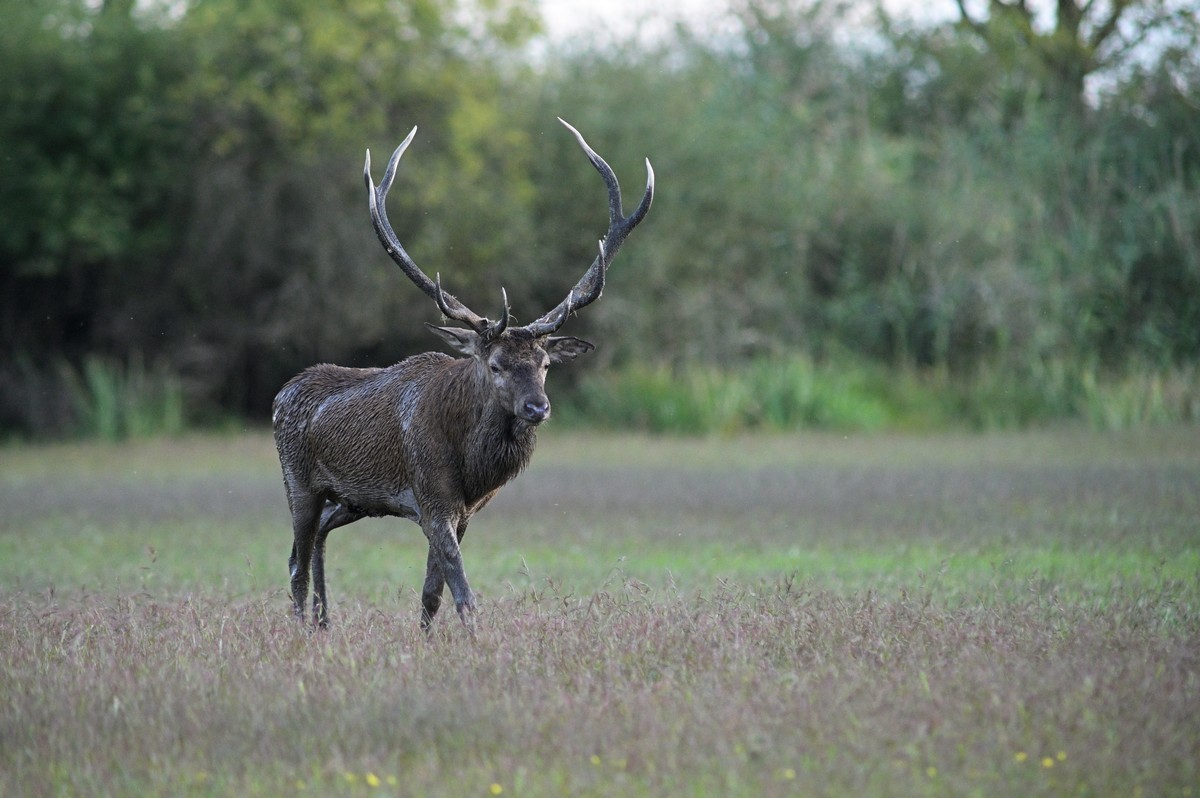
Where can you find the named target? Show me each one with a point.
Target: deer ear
(464, 341)
(562, 349)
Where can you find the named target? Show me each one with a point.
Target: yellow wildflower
(931, 772)
(1047, 762)
(373, 780)
(495, 789)
(595, 759)
(1020, 756)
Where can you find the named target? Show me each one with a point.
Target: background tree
(1083, 38)
(88, 185)
(189, 188)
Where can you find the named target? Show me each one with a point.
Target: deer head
(514, 364)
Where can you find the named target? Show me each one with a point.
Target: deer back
(344, 431)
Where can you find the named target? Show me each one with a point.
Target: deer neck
(495, 445)
(496, 423)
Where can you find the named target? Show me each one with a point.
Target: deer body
(355, 432)
(378, 442)
(433, 437)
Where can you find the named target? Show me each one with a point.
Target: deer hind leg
(333, 515)
(306, 515)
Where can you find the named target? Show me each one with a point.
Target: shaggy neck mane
(494, 444)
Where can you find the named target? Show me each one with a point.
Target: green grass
(818, 614)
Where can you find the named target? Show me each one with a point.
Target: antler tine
(591, 284)
(502, 324)
(449, 306)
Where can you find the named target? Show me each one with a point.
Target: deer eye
(495, 367)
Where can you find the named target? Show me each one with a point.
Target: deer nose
(536, 410)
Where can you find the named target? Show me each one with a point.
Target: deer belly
(365, 493)
(401, 503)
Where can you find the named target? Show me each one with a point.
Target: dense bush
(926, 203)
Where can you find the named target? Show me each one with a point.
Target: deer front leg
(445, 563)
(431, 594)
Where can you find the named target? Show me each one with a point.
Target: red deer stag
(433, 437)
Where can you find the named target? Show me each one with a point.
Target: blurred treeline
(1006, 199)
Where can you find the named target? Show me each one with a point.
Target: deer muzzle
(535, 409)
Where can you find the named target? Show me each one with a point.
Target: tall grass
(798, 393)
(789, 394)
(1146, 397)
(115, 400)
(774, 689)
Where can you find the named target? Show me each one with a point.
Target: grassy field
(952, 615)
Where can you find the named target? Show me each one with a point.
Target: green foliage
(183, 180)
(290, 94)
(91, 131)
(114, 401)
(987, 238)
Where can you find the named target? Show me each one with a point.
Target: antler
(450, 306)
(591, 285)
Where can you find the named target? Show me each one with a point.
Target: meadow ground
(955, 615)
